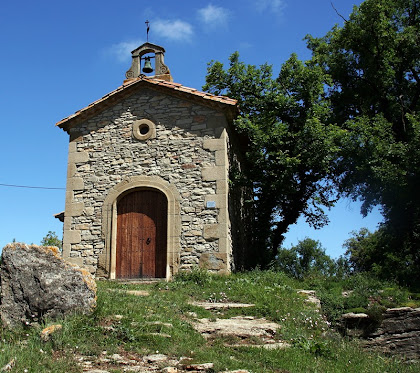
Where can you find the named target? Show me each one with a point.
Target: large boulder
(36, 283)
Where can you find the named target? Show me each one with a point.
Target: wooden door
(141, 235)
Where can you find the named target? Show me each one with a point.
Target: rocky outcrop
(36, 283)
(355, 324)
(397, 333)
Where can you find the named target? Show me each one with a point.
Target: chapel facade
(148, 191)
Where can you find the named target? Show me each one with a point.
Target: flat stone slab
(217, 306)
(138, 293)
(354, 316)
(239, 326)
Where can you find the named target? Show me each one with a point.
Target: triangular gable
(226, 104)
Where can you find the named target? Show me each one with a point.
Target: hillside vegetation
(158, 319)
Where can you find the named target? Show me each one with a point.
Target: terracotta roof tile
(163, 83)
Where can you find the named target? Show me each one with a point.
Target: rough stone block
(222, 187)
(71, 170)
(221, 158)
(78, 157)
(36, 283)
(211, 231)
(214, 144)
(75, 183)
(72, 237)
(89, 211)
(66, 250)
(72, 146)
(213, 261)
(75, 209)
(214, 173)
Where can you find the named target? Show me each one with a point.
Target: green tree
(307, 257)
(290, 149)
(372, 253)
(51, 239)
(373, 62)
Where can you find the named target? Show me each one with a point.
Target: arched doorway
(141, 247)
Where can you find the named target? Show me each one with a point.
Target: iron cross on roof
(147, 29)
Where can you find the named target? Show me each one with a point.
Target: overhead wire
(30, 187)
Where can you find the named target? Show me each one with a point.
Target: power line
(30, 187)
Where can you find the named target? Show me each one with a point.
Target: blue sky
(58, 57)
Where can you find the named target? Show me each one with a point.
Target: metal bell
(147, 65)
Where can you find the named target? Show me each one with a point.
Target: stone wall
(188, 151)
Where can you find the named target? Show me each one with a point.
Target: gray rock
(310, 297)
(355, 324)
(239, 326)
(36, 283)
(155, 358)
(169, 370)
(399, 333)
(200, 367)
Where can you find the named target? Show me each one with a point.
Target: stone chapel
(148, 191)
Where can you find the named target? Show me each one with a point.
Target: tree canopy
(347, 121)
(373, 62)
(307, 257)
(291, 145)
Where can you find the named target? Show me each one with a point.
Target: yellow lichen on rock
(54, 250)
(46, 332)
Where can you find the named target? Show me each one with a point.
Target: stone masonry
(152, 135)
(188, 150)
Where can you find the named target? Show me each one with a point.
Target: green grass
(364, 293)
(124, 322)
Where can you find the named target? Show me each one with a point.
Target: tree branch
(332, 4)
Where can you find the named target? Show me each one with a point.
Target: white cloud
(214, 16)
(275, 6)
(174, 30)
(122, 50)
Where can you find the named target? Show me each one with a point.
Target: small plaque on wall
(211, 204)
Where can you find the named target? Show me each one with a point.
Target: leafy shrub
(357, 310)
(332, 305)
(314, 346)
(375, 312)
(196, 276)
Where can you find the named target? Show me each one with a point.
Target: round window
(144, 129)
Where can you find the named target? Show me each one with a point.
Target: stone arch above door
(109, 221)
